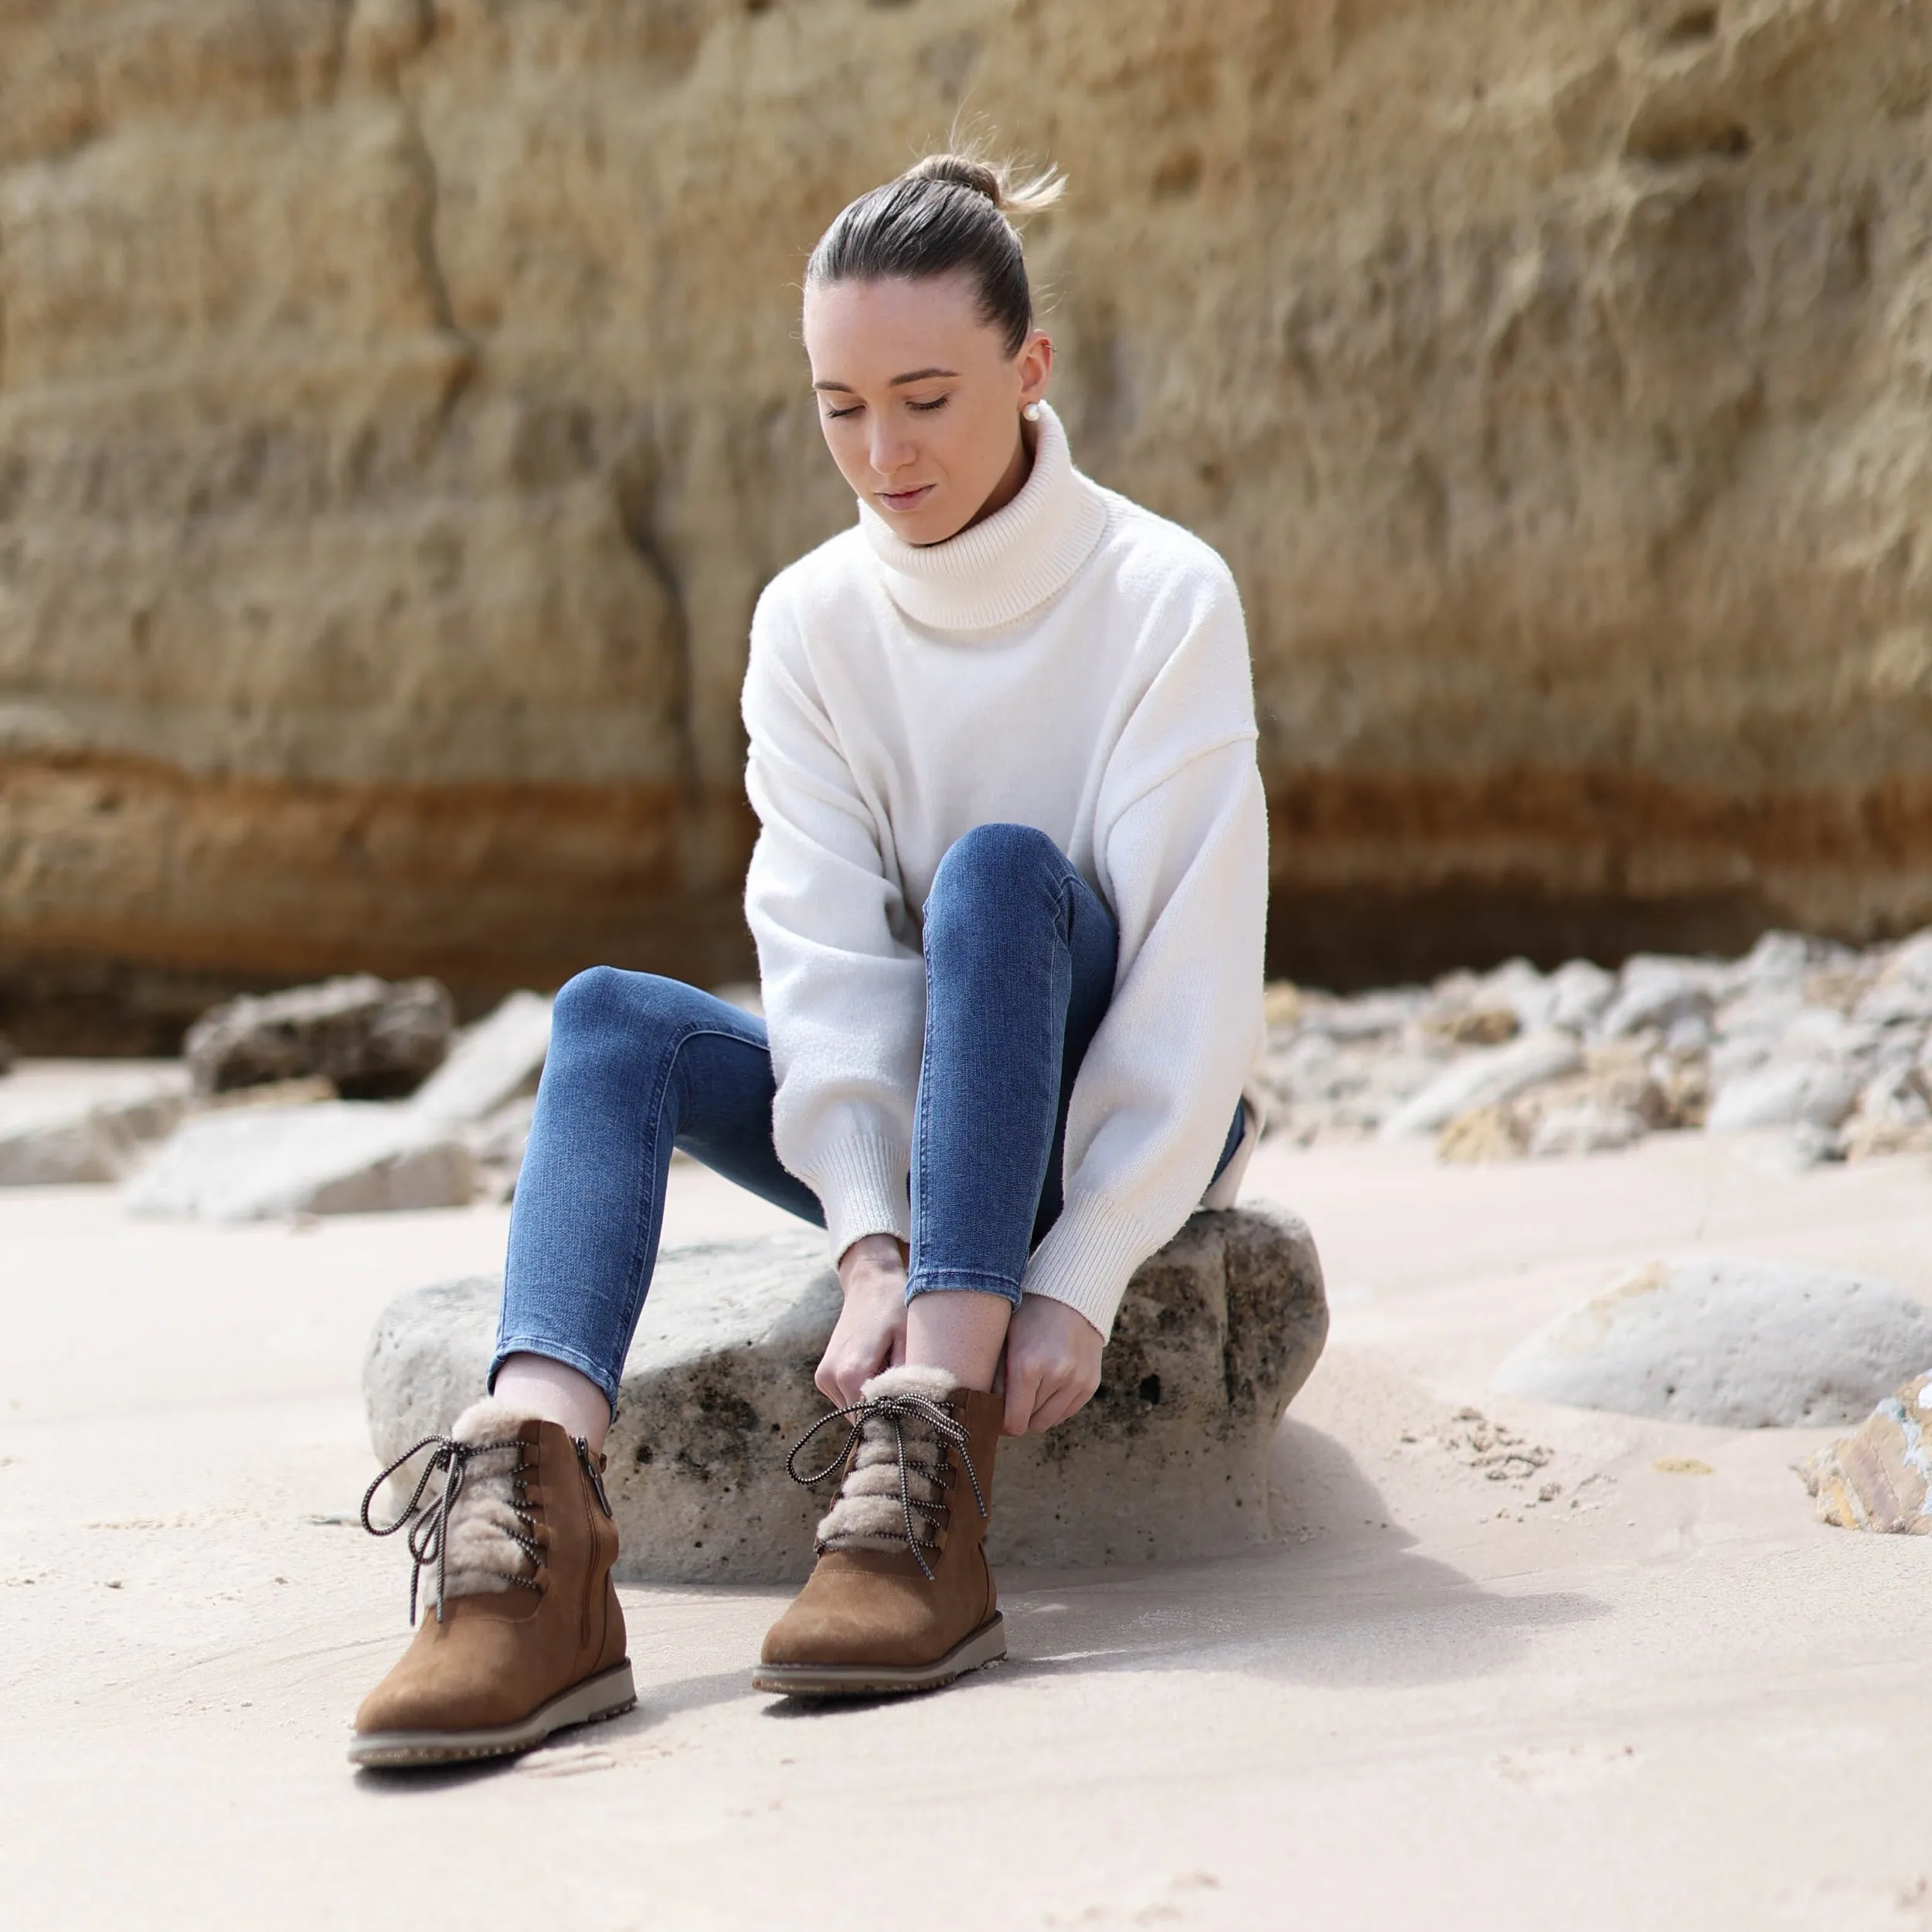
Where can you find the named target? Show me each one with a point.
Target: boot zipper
(595, 1480)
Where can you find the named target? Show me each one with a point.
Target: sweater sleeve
(1182, 854)
(844, 994)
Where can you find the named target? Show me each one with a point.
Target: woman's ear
(1035, 360)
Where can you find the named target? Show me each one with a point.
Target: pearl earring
(1030, 412)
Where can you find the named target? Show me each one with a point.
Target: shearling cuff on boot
(870, 1511)
(489, 1540)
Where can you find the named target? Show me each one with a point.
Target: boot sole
(609, 1694)
(986, 1645)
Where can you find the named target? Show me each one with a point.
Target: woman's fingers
(870, 1334)
(1023, 1393)
(1069, 1397)
(1056, 1403)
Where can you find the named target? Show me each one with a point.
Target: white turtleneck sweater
(1076, 663)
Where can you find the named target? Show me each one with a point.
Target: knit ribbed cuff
(1085, 1261)
(861, 1184)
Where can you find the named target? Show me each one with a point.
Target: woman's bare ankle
(555, 1392)
(959, 1330)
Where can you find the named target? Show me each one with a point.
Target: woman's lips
(903, 500)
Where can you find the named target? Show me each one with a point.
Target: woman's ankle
(554, 1392)
(960, 1330)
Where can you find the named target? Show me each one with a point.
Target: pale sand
(1657, 1699)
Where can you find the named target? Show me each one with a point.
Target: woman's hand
(871, 1334)
(1052, 1365)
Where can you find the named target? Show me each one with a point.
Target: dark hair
(946, 213)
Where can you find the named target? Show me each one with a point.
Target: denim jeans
(1019, 955)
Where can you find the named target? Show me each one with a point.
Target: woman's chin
(928, 524)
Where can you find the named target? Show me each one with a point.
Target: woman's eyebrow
(911, 375)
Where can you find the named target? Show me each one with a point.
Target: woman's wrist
(871, 1254)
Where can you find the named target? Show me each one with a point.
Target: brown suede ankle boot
(522, 1634)
(902, 1599)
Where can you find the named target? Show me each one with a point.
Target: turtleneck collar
(1005, 568)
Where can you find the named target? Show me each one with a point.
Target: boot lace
(869, 1421)
(429, 1525)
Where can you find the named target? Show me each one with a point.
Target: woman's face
(918, 400)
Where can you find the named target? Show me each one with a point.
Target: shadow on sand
(1342, 1600)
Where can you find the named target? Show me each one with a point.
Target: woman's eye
(925, 408)
(834, 416)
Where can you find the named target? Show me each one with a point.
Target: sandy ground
(1597, 1690)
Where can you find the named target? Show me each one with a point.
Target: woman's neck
(1011, 483)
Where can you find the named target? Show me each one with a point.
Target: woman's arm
(1183, 855)
(844, 996)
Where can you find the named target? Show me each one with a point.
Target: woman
(1008, 897)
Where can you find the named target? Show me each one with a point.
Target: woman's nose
(891, 449)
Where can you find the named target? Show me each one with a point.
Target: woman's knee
(608, 1004)
(990, 862)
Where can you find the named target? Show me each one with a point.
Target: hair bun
(963, 171)
(1001, 182)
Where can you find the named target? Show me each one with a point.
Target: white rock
(498, 1060)
(1517, 987)
(1484, 1078)
(1763, 1029)
(344, 1157)
(1740, 1343)
(56, 1139)
(1580, 991)
(1655, 992)
(1822, 1032)
(1817, 1093)
(1732, 1059)
(1760, 1013)
(1586, 1126)
(1785, 960)
(1689, 1033)
(1895, 1097)
(502, 1138)
(497, 1145)
(1810, 1144)
(1903, 993)
(1366, 1016)
(1167, 1463)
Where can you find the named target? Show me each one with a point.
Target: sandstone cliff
(400, 407)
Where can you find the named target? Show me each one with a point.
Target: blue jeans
(1019, 956)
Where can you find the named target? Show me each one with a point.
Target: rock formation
(1827, 1049)
(1735, 1343)
(370, 1040)
(1168, 1461)
(400, 408)
(1878, 1478)
(61, 1138)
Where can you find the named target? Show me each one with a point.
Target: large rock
(498, 1060)
(371, 1039)
(1167, 1462)
(344, 1157)
(1794, 1092)
(1902, 994)
(56, 1139)
(1878, 1477)
(402, 408)
(1655, 994)
(1741, 1344)
(1485, 1078)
